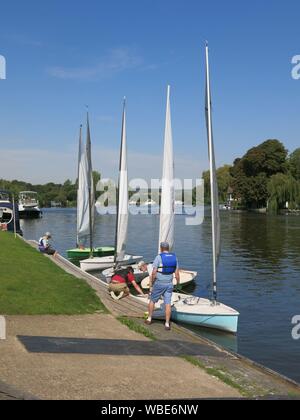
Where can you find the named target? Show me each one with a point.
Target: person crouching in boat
(145, 268)
(44, 245)
(120, 281)
(161, 282)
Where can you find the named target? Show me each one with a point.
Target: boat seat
(191, 301)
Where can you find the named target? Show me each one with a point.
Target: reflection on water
(259, 272)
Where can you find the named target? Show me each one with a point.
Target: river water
(258, 274)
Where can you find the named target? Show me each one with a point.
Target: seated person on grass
(44, 245)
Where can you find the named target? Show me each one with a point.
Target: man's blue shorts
(162, 290)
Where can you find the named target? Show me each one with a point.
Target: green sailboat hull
(81, 254)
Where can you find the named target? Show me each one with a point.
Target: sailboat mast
(90, 184)
(212, 174)
(119, 181)
(79, 149)
(78, 170)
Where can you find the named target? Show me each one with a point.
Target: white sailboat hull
(204, 313)
(186, 277)
(201, 312)
(101, 263)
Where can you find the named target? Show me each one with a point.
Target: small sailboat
(138, 274)
(225, 317)
(186, 278)
(197, 311)
(29, 205)
(77, 254)
(120, 257)
(167, 207)
(141, 277)
(192, 309)
(86, 206)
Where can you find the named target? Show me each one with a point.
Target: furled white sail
(166, 230)
(83, 225)
(215, 212)
(122, 211)
(91, 188)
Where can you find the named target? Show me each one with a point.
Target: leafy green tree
(269, 157)
(62, 198)
(252, 191)
(225, 180)
(66, 193)
(294, 164)
(96, 177)
(251, 172)
(283, 189)
(69, 195)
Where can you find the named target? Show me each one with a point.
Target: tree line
(267, 176)
(65, 194)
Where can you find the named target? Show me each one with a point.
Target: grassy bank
(135, 326)
(30, 284)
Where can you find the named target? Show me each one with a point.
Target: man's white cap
(140, 264)
(48, 234)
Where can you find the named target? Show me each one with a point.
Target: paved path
(96, 357)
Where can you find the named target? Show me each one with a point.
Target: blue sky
(62, 55)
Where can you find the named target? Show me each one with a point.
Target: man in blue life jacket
(165, 266)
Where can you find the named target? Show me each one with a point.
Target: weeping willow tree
(283, 189)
